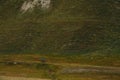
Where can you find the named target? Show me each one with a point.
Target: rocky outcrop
(31, 4)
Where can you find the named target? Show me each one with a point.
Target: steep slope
(66, 26)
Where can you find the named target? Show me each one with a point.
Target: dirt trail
(90, 69)
(19, 78)
(77, 68)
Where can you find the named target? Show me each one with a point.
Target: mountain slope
(67, 26)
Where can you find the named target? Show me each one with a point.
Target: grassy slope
(70, 26)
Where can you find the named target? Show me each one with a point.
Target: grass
(42, 71)
(83, 59)
(89, 76)
(71, 32)
(55, 63)
(86, 25)
(27, 70)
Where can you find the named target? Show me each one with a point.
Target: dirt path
(78, 68)
(90, 69)
(19, 78)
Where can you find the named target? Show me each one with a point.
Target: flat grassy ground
(83, 59)
(31, 66)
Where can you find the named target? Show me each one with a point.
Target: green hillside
(68, 26)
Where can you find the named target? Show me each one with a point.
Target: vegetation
(71, 31)
(68, 27)
(52, 71)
